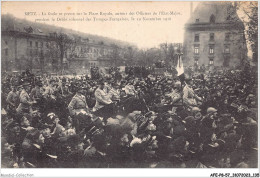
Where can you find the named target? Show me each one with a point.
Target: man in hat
(102, 98)
(49, 90)
(37, 91)
(130, 89)
(12, 100)
(114, 92)
(78, 102)
(25, 105)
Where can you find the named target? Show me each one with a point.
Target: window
(36, 44)
(6, 52)
(226, 49)
(212, 19)
(31, 52)
(196, 49)
(197, 38)
(211, 49)
(30, 43)
(211, 37)
(211, 61)
(197, 20)
(227, 36)
(41, 44)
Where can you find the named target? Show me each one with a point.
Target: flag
(180, 69)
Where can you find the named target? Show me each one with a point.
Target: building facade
(28, 45)
(214, 36)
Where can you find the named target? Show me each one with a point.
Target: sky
(144, 34)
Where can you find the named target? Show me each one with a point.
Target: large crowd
(206, 119)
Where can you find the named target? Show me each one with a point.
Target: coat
(24, 106)
(77, 103)
(189, 96)
(12, 99)
(102, 99)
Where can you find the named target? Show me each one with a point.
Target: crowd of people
(203, 120)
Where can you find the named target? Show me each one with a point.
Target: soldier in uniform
(25, 100)
(130, 89)
(114, 92)
(37, 95)
(37, 91)
(49, 90)
(78, 102)
(102, 98)
(12, 100)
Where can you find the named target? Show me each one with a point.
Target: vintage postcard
(129, 85)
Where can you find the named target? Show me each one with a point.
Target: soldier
(25, 100)
(49, 90)
(130, 89)
(102, 98)
(37, 91)
(12, 100)
(114, 92)
(78, 103)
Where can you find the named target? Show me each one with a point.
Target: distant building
(214, 36)
(27, 44)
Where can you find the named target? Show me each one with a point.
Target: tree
(115, 57)
(249, 15)
(129, 55)
(170, 53)
(164, 47)
(60, 43)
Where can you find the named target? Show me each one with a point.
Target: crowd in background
(207, 119)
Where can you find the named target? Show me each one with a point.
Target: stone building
(30, 45)
(214, 36)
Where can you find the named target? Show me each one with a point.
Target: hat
(189, 119)
(131, 116)
(211, 110)
(51, 116)
(195, 109)
(178, 83)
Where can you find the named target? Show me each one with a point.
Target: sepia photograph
(130, 85)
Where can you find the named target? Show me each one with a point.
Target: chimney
(191, 8)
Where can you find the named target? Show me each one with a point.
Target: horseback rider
(130, 89)
(12, 99)
(25, 100)
(102, 98)
(78, 102)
